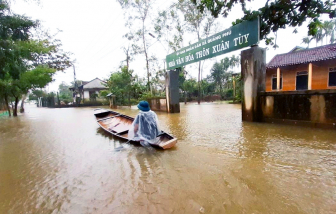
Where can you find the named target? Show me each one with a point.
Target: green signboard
(239, 36)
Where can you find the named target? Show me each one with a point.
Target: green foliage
(220, 73)
(137, 12)
(35, 94)
(25, 62)
(228, 94)
(147, 96)
(168, 28)
(208, 87)
(190, 89)
(276, 14)
(93, 97)
(64, 93)
(122, 84)
(238, 88)
(158, 83)
(103, 94)
(323, 30)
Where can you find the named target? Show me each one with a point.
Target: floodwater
(60, 161)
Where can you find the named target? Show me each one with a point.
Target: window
(332, 77)
(302, 80)
(274, 82)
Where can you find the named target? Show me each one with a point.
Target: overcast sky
(92, 31)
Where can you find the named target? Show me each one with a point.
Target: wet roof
(303, 56)
(95, 83)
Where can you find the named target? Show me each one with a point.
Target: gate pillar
(253, 70)
(172, 91)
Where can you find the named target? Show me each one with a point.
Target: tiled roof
(95, 83)
(304, 56)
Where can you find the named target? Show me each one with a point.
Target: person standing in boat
(145, 127)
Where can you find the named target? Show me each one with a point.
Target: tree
(220, 71)
(328, 27)
(318, 37)
(139, 10)
(158, 82)
(4, 93)
(39, 77)
(26, 61)
(332, 36)
(35, 94)
(190, 87)
(120, 84)
(275, 15)
(14, 29)
(169, 29)
(132, 48)
(307, 40)
(197, 23)
(64, 93)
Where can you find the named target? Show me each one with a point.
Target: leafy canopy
(275, 14)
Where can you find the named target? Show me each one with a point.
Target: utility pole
(76, 86)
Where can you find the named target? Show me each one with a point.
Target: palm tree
(332, 36)
(328, 27)
(318, 36)
(306, 40)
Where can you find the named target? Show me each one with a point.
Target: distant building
(87, 88)
(303, 69)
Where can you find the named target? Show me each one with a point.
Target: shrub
(228, 94)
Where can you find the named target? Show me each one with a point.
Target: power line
(109, 52)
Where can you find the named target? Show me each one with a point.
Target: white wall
(86, 95)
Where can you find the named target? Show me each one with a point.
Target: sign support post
(172, 91)
(253, 70)
(253, 64)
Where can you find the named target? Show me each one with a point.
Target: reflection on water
(60, 161)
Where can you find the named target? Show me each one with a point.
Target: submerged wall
(158, 104)
(312, 108)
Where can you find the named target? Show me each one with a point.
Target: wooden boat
(118, 125)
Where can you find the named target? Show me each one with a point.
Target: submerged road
(60, 161)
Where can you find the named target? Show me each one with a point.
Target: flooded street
(60, 161)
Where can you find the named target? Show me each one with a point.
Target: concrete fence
(158, 104)
(312, 108)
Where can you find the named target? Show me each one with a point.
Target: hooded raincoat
(145, 127)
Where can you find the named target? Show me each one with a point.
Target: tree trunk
(129, 99)
(221, 91)
(7, 105)
(146, 55)
(22, 104)
(59, 102)
(199, 83)
(15, 106)
(127, 59)
(185, 97)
